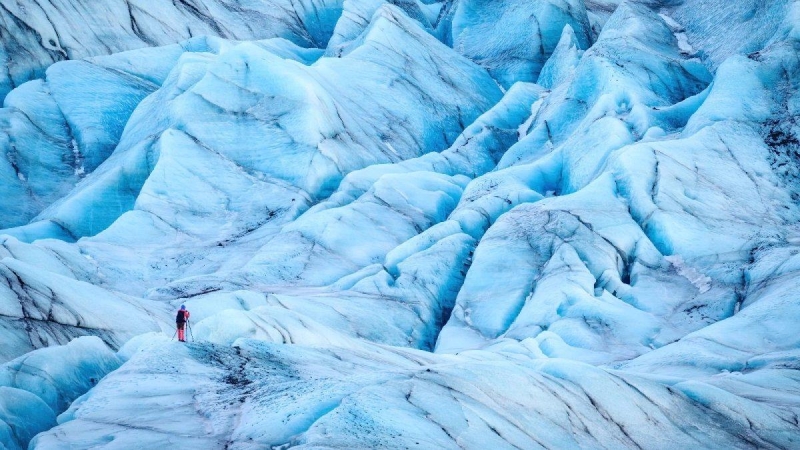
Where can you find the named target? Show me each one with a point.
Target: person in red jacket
(180, 322)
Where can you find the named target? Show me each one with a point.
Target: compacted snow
(405, 224)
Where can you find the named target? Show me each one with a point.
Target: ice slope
(38, 33)
(356, 17)
(40, 385)
(255, 394)
(183, 157)
(736, 28)
(481, 31)
(384, 244)
(40, 308)
(116, 186)
(559, 154)
(57, 130)
(328, 130)
(424, 271)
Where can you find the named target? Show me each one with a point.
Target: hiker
(180, 322)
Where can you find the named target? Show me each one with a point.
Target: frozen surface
(255, 394)
(517, 55)
(293, 129)
(40, 385)
(404, 224)
(37, 33)
(39, 308)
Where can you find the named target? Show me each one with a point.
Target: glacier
(400, 224)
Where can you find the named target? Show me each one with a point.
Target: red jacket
(181, 318)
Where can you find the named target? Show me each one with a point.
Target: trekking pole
(173, 334)
(190, 330)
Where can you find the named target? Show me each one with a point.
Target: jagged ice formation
(405, 224)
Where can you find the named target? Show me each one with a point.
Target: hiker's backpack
(181, 317)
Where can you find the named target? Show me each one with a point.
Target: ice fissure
(400, 224)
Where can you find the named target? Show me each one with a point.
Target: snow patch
(700, 281)
(680, 34)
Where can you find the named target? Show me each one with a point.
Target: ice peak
(390, 26)
(634, 21)
(563, 60)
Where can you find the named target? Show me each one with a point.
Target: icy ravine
(605, 258)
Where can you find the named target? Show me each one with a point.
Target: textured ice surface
(354, 394)
(302, 125)
(40, 307)
(461, 224)
(40, 385)
(56, 131)
(516, 55)
(37, 33)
